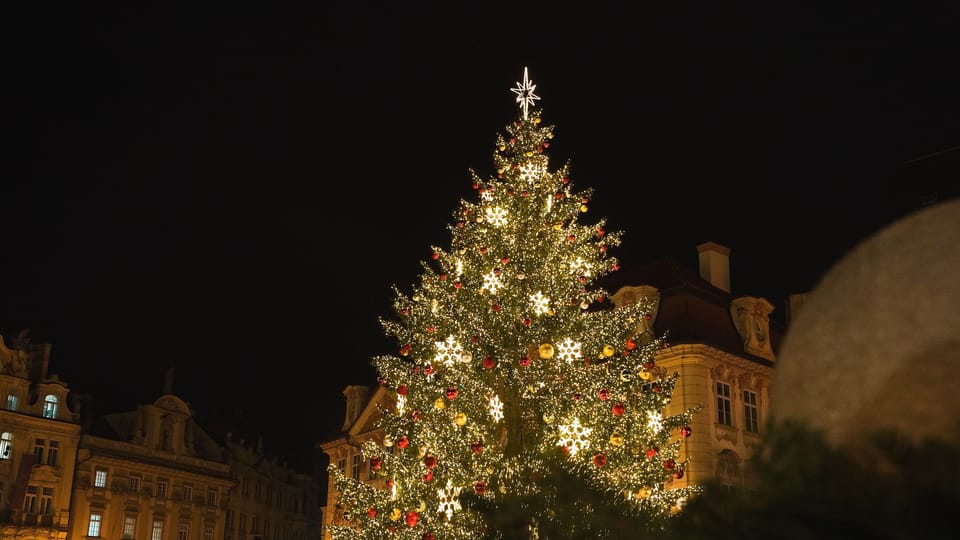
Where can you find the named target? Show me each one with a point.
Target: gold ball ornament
(395, 514)
(536, 120)
(548, 418)
(645, 375)
(460, 419)
(466, 357)
(503, 488)
(388, 440)
(583, 208)
(439, 403)
(421, 452)
(626, 375)
(644, 492)
(608, 350)
(616, 438)
(422, 507)
(546, 351)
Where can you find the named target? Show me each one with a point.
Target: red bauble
(389, 483)
(452, 393)
(376, 463)
(631, 344)
(403, 442)
(489, 362)
(577, 396)
(429, 536)
(603, 394)
(618, 409)
(686, 431)
(404, 311)
(601, 232)
(669, 464)
(412, 518)
(430, 461)
(474, 339)
(371, 512)
(457, 284)
(657, 388)
(648, 364)
(435, 255)
(428, 370)
(603, 248)
(483, 249)
(527, 322)
(599, 460)
(565, 180)
(415, 414)
(616, 267)
(479, 487)
(443, 277)
(431, 329)
(646, 316)
(402, 389)
(476, 447)
(429, 476)
(524, 361)
(652, 451)
(504, 260)
(496, 308)
(571, 238)
(678, 474)
(524, 193)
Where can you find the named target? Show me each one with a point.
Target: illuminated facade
(39, 435)
(152, 474)
(269, 500)
(722, 346)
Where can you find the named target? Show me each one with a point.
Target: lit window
(100, 478)
(751, 422)
(129, 527)
(162, 486)
(93, 529)
(157, 532)
(356, 467)
(133, 484)
(184, 531)
(6, 445)
(12, 402)
(39, 445)
(212, 497)
(46, 501)
(187, 492)
(50, 406)
(723, 403)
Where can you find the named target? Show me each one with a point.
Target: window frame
(94, 523)
(724, 404)
(100, 478)
(751, 411)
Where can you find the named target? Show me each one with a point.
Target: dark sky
(232, 190)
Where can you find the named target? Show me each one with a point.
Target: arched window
(728, 471)
(50, 406)
(6, 445)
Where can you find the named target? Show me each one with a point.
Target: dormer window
(50, 406)
(6, 445)
(13, 403)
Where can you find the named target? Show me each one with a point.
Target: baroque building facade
(723, 346)
(39, 435)
(151, 473)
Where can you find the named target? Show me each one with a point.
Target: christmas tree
(523, 403)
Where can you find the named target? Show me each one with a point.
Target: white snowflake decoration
(496, 408)
(448, 351)
(580, 267)
(401, 404)
(459, 270)
(434, 305)
(530, 172)
(449, 499)
(487, 195)
(574, 436)
(496, 216)
(569, 350)
(654, 421)
(492, 283)
(541, 304)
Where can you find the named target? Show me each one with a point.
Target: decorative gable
(751, 317)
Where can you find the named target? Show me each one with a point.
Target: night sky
(233, 190)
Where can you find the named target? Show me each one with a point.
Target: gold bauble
(503, 488)
(388, 440)
(536, 120)
(608, 350)
(439, 403)
(548, 418)
(583, 208)
(421, 452)
(460, 419)
(529, 154)
(422, 507)
(644, 492)
(395, 514)
(616, 439)
(546, 351)
(645, 375)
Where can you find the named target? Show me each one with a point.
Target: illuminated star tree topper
(524, 92)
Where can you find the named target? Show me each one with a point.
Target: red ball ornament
(376, 463)
(483, 249)
(402, 389)
(571, 238)
(577, 396)
(601, 232)
(652, 451)
(565, 180)
(646, 316)
(405, 350)
(404, 311)
(616, 267)
(648, 364)
(428, 370)
(686, 431)
(429, 536)
(415, 414)
(443, 277)
(504, 260)
(476, 447)
(669, 464)
(474, 339)
(457, 284)
(452, 393)
(430, 461)
(631, 344)
(618, 409)
(476, 185)
(603, 248)
(389, 483)
(488, 362)
(599, 460)
(435, 255)
(371, 512)
(403, 442)
(524, 361)
(431, 329)
(412, 518)
(657, 388)
(496, 308)
(603, 394)
(678, 474)
(429, 476)
(479, 487)
(527, 322)
(524, 193)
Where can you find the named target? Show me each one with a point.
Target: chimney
(715, 264)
